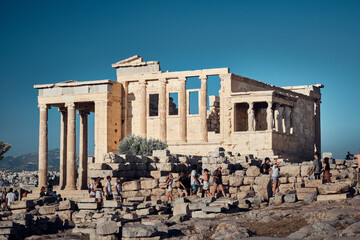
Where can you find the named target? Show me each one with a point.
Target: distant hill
(30, 162)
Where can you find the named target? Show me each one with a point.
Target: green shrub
(136, 145)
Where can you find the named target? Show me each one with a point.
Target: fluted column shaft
(203, 109)
(162, 109)
(71, 148)
(182, 110)
(43, 145)
(251, 116)
(143, 107)
(269, 116)
(63, 148)
(83, 154)
(287, 120)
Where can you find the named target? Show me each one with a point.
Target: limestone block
(131, 185)
(286, 187)
(314, 183)
(213, 209)
(22, 204)
(225, 180)
(283, 180)
(309, 197)
(305, 170)
(47, 210)
(339, 161)
(196, 206)
(156, 174)
(333, 188)
(292, 179)
(244, 188)
(107, 228)
(249, 180)
(290, 170)
(181, 209)
(158, 191)
(87, 200)
(138, 231)
(149, 183)
(235, 181)
(111, 204)
(327, 154)
(66, 205)
(161, 153)
(145, 211)
(290, 198)
(233, 190)
(253, 171)
(183, 159)
(129, 216)
(245, 194)
(332, 197)
(264, 187)
(240, 173)
(201, 214)
(87, 206)
(6, 224)
(165, 166)
(97, 166)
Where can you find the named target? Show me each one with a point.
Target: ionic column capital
(203, 77)
(43, 106)
(70, 105)
(142, 81)
(83, 113)
(62, 109)
(182, 79)
(163, 81)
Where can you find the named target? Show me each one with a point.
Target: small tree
(4, 147)
(136, 145)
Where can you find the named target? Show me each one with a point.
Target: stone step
(313, 183)
(307, 190)
(332, 197)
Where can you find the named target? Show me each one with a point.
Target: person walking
(118, 188)
(317, 167)
(108, 190)
(194, 181)
(183, 182)
(169, 182)
(217, 176)
(206, 183)
(275, 177)
(327, 174)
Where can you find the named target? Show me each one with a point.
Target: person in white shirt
(10, 197)
(194, 181)
(92, 190)
(118, 188)
(108, 191)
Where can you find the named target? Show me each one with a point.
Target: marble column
(83, 153)
(43, 146)
(269, 117)
(71, 148)
(287, 120)
(251, 117)
(203, 109)
(279, 118)
(126, 108)
(182, 110)
(63, 138)
(317, 145)
(142, 108)
(162, 109)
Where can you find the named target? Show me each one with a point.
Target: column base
(70, 188)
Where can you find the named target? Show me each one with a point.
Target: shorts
(194, 187)
(117, 195)
(206, 185)
(168, 188)
(275, 179)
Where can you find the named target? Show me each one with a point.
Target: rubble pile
(25, 178)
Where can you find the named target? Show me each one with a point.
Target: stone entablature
(250, 117)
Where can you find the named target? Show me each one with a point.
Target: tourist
(194, 181)
(108, 191)
(99, 192)
(10, 197)
(265, 168)
(206, 183)
(51, 193)
(42, 192)
(217, 176)
(317, 166)
(326, 169)
(168, 184)
(275, 177)
(118, 188)
(358, 177)
(92, 187)
(183, 180)
(349, 156)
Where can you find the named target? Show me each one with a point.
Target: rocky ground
(317, 220)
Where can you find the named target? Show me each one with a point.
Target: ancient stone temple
(248, 116)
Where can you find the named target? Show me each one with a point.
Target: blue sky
(278, 42)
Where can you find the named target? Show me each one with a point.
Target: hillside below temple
(248, 117)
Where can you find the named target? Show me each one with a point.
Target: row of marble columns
(280, 119)
(67, 147)
(182, 109)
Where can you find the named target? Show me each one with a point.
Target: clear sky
(278, 42)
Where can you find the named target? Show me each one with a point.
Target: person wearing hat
(218, 181)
